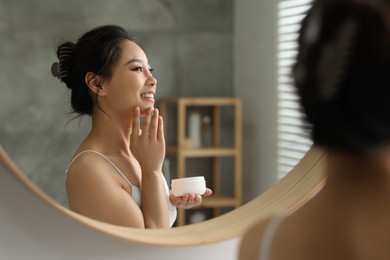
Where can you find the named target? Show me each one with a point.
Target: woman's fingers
(208, 192)
(191, 200)
(146, 142)
(154, 124)
(188, 201)
(135, 123)
(197, 200)
(146, 123)
(160, 130)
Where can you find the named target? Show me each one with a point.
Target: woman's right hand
(148, 144)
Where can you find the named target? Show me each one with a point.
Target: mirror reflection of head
(97, 65)
(115, 175)
(342, 73)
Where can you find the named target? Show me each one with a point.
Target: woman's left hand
(189, 200)
(148, 145)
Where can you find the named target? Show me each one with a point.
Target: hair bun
(55, 70)
(62, 68)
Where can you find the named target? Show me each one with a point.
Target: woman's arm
(148, 147)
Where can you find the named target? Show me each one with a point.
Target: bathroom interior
(198, 49)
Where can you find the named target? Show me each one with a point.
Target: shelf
(202, 152)
(182, 145)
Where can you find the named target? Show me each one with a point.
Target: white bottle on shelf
(206, 133)
(194, 125)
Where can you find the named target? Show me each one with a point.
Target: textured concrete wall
(188, 42)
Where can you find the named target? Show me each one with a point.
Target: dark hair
(342, 73)
(96, 51)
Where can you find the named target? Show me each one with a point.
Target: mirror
(37, 129)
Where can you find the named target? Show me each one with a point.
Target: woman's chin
(144, 108)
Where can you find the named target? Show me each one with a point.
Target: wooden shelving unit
(181, 151)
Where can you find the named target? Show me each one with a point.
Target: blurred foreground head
(342, 73)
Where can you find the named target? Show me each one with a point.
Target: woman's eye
(138, 69)
(151, 70)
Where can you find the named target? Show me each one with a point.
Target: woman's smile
(149, 97)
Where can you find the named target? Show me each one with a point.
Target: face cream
(189, 185)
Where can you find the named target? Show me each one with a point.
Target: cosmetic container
(189, 185)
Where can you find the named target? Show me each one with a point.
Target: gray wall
(189, 43)
(255, 80)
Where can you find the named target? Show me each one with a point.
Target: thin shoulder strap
(105, 157)
(269, 233)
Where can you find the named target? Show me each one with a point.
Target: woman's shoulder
(295, 236)
(91, 172)
(86, 162)
(84, 157)
(277, 231)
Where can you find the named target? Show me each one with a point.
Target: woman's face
(132, 83)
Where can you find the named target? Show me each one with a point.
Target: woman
(343, 79)
(115, 175)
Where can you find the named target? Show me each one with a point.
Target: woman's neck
(358, 174)
(110, 134)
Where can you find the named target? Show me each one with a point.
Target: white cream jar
(189, 185)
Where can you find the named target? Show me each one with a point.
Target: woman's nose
(152, 80)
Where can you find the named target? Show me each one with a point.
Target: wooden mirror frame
(302, 182)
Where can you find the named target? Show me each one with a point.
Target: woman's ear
(94, 83)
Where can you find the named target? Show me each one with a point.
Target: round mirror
(40, 133)
(38, 129)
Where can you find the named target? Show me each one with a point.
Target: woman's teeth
(147, 95)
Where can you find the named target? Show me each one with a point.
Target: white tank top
(135, 191)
